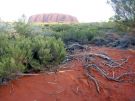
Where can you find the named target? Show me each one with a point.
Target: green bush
(22, 54)
(82, 33)
(25, 47)
(11, 56)
(22, 28)
(46, 51)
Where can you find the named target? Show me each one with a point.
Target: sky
(84, 10)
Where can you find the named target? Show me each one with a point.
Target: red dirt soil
(72, 84)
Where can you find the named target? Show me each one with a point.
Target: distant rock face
(53, 18)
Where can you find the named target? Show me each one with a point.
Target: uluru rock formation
(52, 18)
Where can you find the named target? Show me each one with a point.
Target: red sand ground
(72, 85)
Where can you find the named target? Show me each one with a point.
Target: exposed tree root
(88, 74)
(116, 64)
(89, 64)
(108, 61)
(125, 74)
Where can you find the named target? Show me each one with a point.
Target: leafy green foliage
(22, 28)
(125, 11)
(11, 56)
(47, 51)
(26, 47)
(21, 54)
(82, 33)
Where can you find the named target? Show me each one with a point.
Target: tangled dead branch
(110, 63)
(89, 64)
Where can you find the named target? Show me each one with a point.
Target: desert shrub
(23, 54)
(22, 28)
(6, 27)
(61, 27)
(82, 33)
(35, 30)
(46, 51)
(12, 56)
(35, 47)
(77, 35)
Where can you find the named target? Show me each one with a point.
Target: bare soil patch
(71, 84)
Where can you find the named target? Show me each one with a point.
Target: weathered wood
(89, 63)
(23, 74)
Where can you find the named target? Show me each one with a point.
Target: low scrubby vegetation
(110, 34)
(22, 52)
(81, 33)
(26, 47)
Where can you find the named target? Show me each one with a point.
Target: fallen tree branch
(115, 64)
(93, 79)
(23, 74)
(125, 74)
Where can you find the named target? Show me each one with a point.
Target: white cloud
(84, 10)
